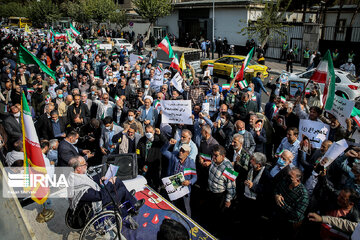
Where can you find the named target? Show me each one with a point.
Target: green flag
(232, 73)
(26, 57)
(355, 112)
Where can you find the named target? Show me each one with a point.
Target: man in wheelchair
(93, 190)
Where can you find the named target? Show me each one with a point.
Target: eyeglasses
(86, 164)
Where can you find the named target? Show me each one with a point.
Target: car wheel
(342, 94)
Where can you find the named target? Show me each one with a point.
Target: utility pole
(213, 31)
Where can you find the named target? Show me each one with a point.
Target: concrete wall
(229, 22)
(171, 22)
(138, 28)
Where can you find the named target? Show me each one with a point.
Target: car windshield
(122, 41)
(351, 78)
(253, 62)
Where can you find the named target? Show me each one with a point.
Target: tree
(14, 9)
(76, 10)
(270, 21)
(99, 10)
(152, 10)
(120, 18)
(44, 11)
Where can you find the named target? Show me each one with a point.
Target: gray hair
(290, 105)
(240, 137)
(53, 142)
(288, 152)
(259, 158)
(188, 132)
(74, 162)
(207, 129)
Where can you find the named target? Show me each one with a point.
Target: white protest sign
(334, 151)
(207, 73)
(133, 59)
(105, 46)
(205, 108)
(176, 111)
(75, 45)
(211, 68)
(177, 82)
(317, 132)
(157, 80)
(342, 109)
(173, 186)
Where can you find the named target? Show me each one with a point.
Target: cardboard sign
(176, 111)
(334, 151)
(177, 81)
(173, 186)
(341, 109)
(317, 132)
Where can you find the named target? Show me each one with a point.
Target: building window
(341, 25)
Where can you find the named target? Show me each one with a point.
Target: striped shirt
(218, 183)
(296, 201)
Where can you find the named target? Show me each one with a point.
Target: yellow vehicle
(223, 65)
(19, 22)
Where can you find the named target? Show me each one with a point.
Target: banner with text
(176, 111)
(317, 132)
(177, 82)
(341, 109)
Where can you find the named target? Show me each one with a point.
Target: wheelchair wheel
(77, 219)
(102, 226)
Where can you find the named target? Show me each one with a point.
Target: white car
(345, 83)
(119, 43)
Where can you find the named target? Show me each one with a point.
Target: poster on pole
(173, 186)
(342, 109)
(176, 111)
(177, 82)
(317, 132)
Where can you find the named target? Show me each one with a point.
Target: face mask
(93, 92)
(222, 121)
(201, 121)
(147, 71)
(108, 128)
(55, 120)
(281, 162)
(60, 96)
(277, 85)
(242, 132)
(148, 135)
(17, 115)
(146, 86)
(76, 141)
(131, 118)
(257, 129)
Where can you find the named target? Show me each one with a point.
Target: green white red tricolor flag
(225, 87)
(189, 171)
(166, 46)
(230, 174)
(205, 157)
(175, 64)
(355, 114)
(240, 75)
(325, 73)
(283, 100)
(34, 162)
(74, 31)
(243, 84)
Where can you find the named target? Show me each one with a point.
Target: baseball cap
(186, 147)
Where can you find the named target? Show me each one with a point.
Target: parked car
(223, 65)
(119, 43)
(345, 84)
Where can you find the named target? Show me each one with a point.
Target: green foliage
(119, 17)
(76, 10)
(99, 10)
(13, 9)
(152, 9)
(269, 23)
(44, 11)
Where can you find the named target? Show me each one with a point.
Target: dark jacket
(13, 129)
(84, 112)
(224, 134)
(241, 110)
(47, 128)
(260, 140)
(66, 151)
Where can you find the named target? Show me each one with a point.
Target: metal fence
(350, 34)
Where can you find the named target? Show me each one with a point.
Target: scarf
(81, 184)
(248, 193)
(124, 145)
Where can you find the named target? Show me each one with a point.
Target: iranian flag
(355, 114)
(166, 46)
(205, 157)
(141, 58)
(243, 84)
(34, 162)
(275, 109)
(74, 31)
(240, 75)
(282, 99)
(230, 174)
(324, 73)
(225, 87)
(175, 64)
(116, 98)
(189, 171)
(253, 98)
(307, 91)
(159, 70)
(157, 104)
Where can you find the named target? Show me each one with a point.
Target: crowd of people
(251, 164)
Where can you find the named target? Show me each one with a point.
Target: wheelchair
(97, 225)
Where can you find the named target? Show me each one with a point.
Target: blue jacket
(258, 85)
(175, 166)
